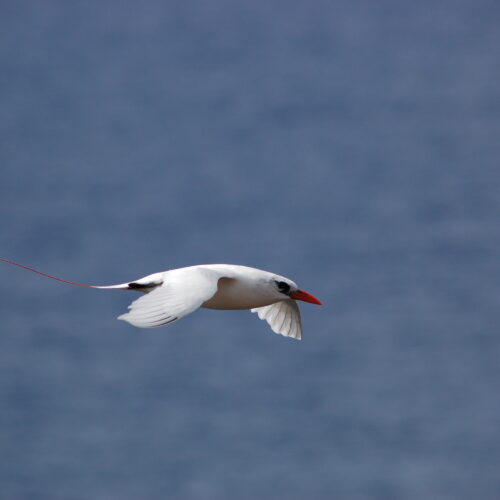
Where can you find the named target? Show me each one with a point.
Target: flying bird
(171, 295)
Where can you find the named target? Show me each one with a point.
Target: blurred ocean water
(352, 146)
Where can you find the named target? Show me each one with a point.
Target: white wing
(179, 295)
(283, 318)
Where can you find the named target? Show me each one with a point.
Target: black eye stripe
(283, 287)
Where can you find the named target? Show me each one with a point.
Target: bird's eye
(283, 287)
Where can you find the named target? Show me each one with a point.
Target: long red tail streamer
(45, 274)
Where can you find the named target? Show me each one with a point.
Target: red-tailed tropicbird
(171, 295)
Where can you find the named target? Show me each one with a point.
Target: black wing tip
(139, 286)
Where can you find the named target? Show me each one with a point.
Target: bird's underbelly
(234, 295)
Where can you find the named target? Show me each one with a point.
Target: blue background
(351, 146)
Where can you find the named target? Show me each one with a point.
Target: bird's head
(288, 289)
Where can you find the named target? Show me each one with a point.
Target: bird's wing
(283, 318)
(179, 295)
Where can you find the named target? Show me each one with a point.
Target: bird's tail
(121, 286)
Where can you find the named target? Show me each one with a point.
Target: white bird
(171, 295)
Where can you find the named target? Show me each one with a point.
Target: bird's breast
(236, 294)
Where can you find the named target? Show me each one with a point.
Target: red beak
(306, 297)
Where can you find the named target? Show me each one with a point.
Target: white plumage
(174, 294)
(283, 318)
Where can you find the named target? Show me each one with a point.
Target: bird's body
(171, 295)
(238, 287)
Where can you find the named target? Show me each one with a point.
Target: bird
(170, 295)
